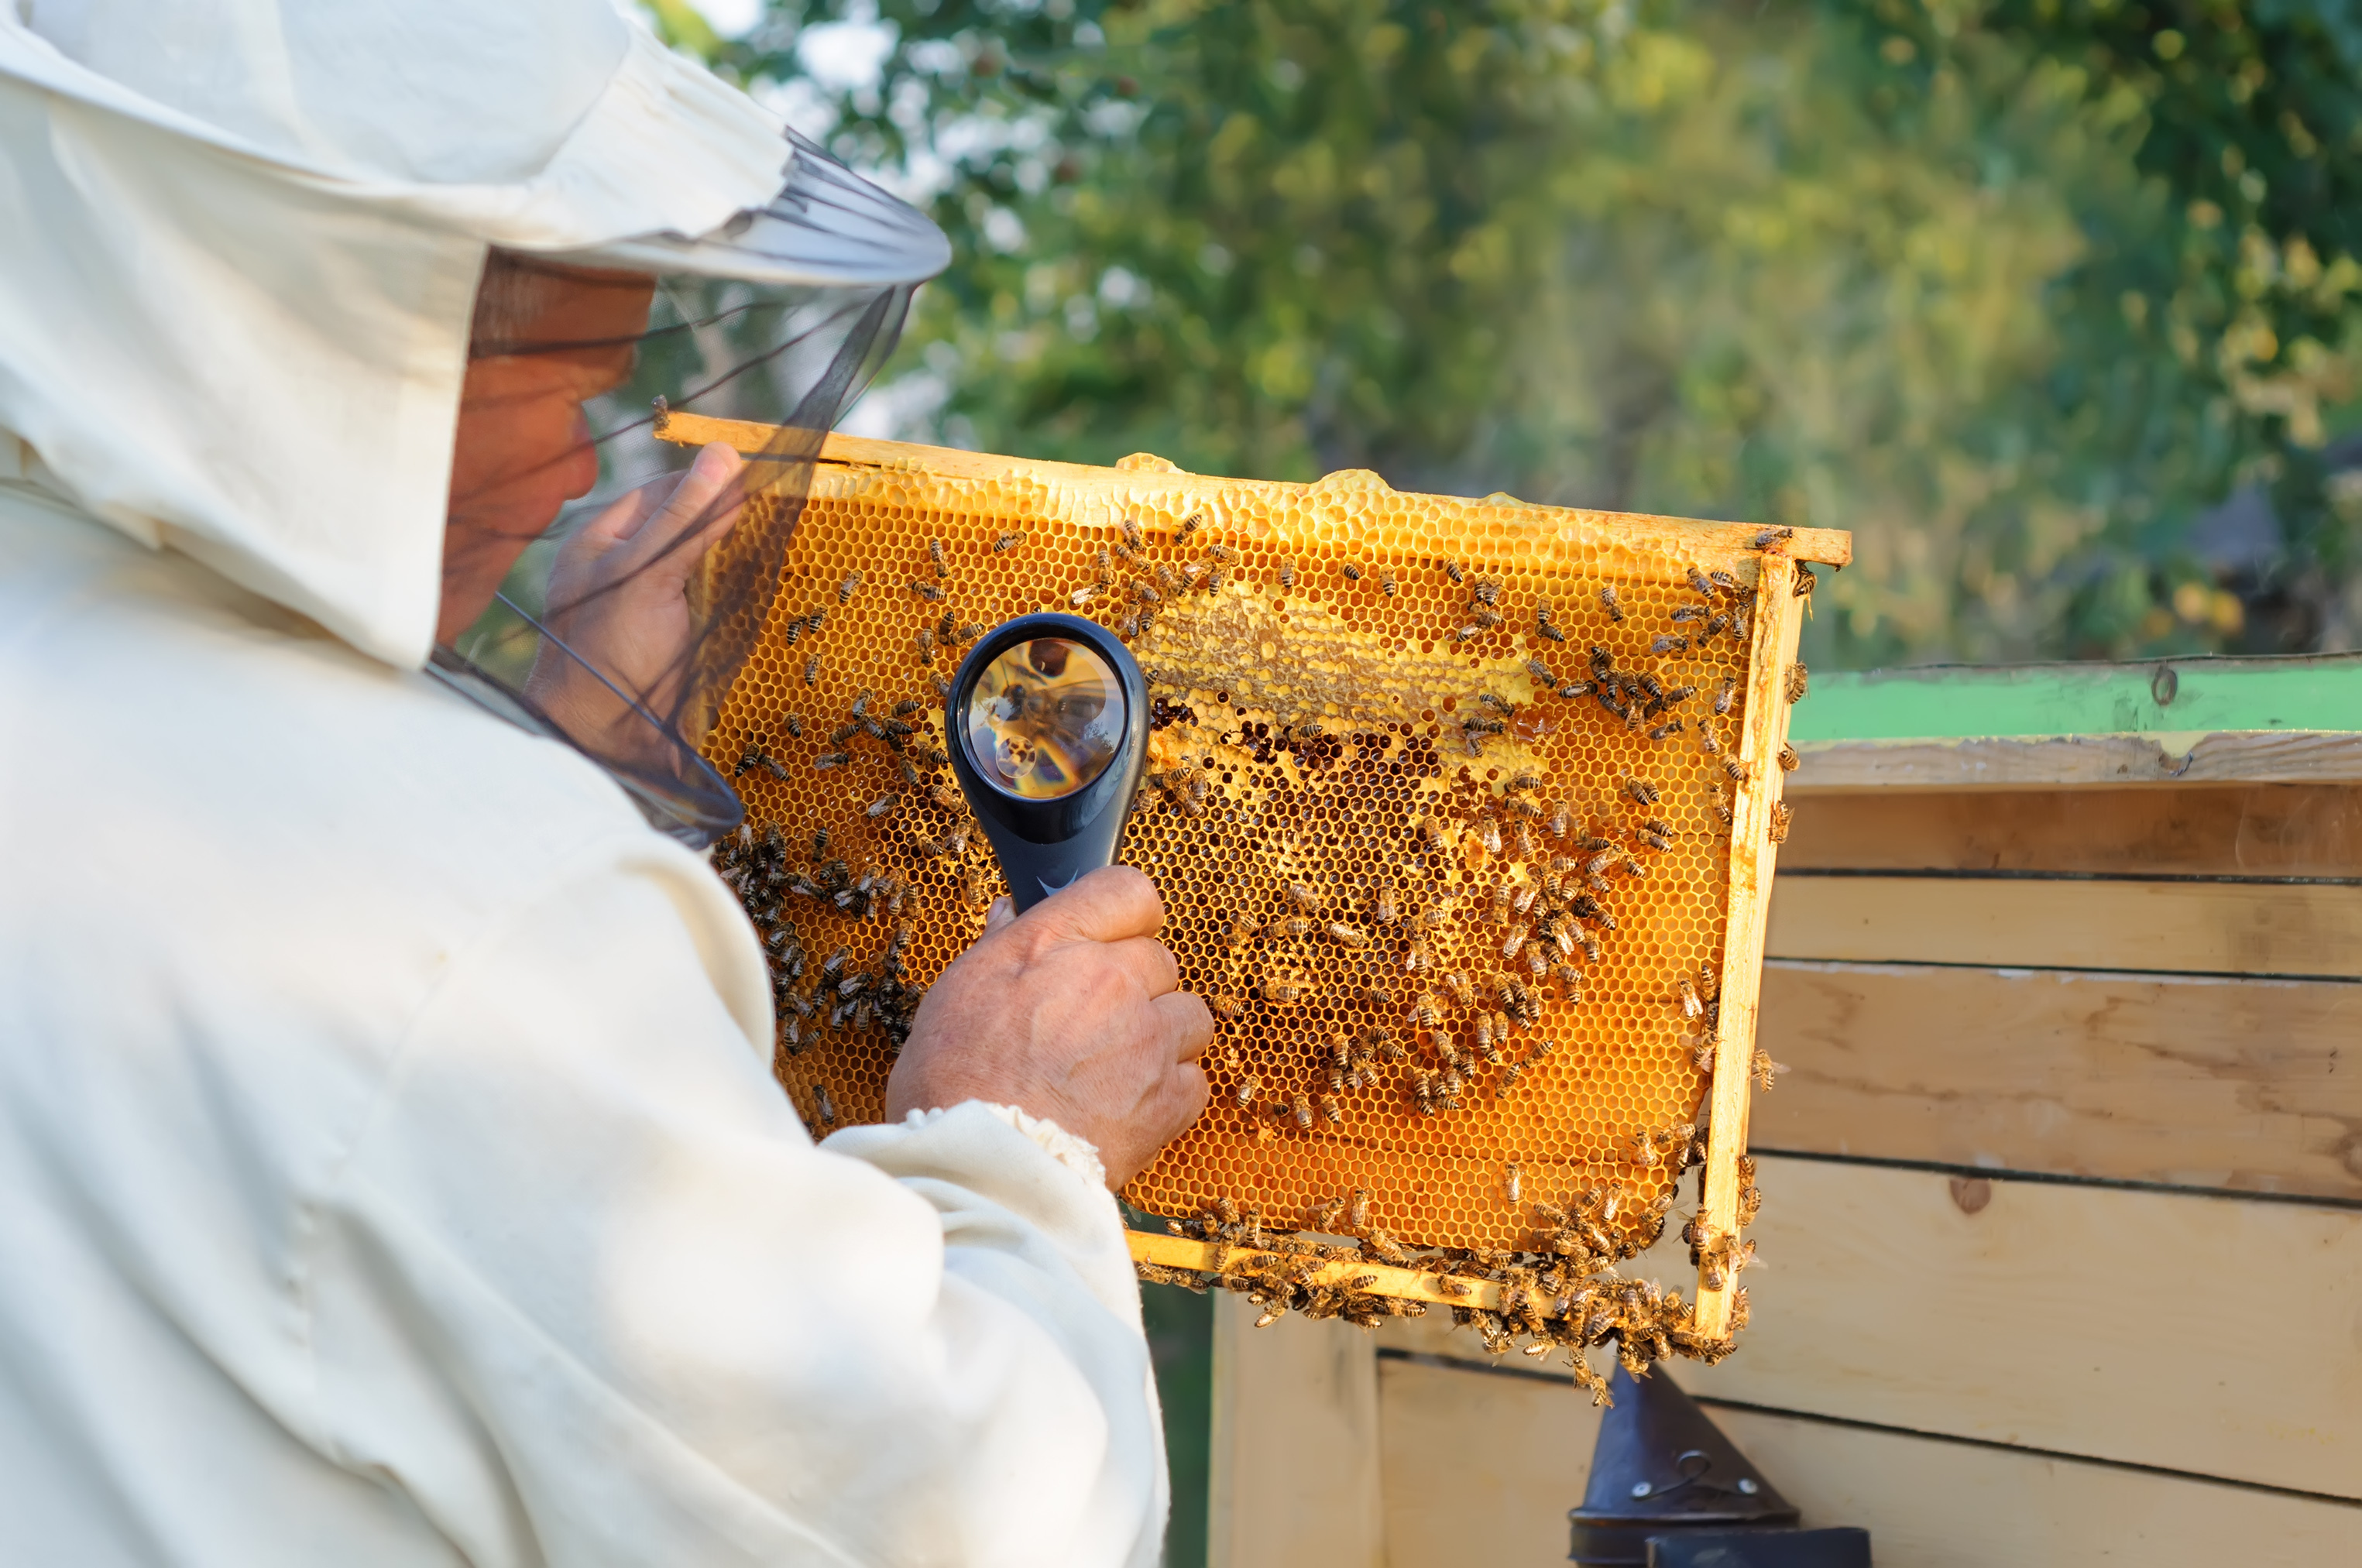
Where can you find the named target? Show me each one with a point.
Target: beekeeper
(390, 1169)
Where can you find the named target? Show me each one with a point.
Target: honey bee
(1301, 896)
(925, 641)
(1299, 1108)
(1384, 909)
(1462, 991)
(932, 593)
(1357, 1210)
(1735, 768)
(1655, 841)
(1325, 1215)
(1484, 616)
(1668, 644)
(829, 759)
(1699, 583)
(1488, 833)
(1544, 625)
(1131, 530)
(1764, 1070)
(1806, 583)
(1508, 1079)
(1513, 1182)
(1224, 1006)
(811, 671)
(1485, 590)
(1560, 819)
(1608, 602)
(1287, 572)
(1435, 831)
(1691, 1006)
(1780, 818)
(1283, 990)
(1247, 1087)
(1349, 936)
(1352, 573)
(844, 589)
(794, 724)
(1789, 760)
(827, 1106)
(935, 553)
(1287, 928)
(1415, 958)
(1666, 730)
(1707, 743)
(1386, 584)
(1722, 810)
(1081, 598)
(1795, 681)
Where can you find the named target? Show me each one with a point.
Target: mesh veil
(601, 586)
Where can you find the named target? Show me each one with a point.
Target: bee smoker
(1049, 722)
(1668, 1490)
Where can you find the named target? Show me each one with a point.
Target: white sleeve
(586, 1293)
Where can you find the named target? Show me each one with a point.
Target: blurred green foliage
(2014, 290)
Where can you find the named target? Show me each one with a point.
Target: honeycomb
(1439, 799)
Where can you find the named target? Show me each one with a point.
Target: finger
(699, 509)
(1002, 912)
(1148, 961)
(623, 518)
(1109, 905)
(1184, 1024)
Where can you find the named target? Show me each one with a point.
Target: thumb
(1002, 912)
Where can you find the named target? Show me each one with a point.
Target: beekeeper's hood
(240, 249)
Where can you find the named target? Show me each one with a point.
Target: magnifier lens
(1045, 719)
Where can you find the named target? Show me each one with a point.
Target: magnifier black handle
(1045, 843)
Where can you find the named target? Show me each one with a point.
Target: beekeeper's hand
(618, 595)
(1071, 1012)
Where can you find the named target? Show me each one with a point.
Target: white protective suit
(389, 1168)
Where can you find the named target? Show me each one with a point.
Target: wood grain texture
(2302, 756)
(2210, 1335)
(1295, 1474)
(1929, 1504)
(2254, 1084)
(2261, 928)
(2266, 830)
(1479, 1469)
(1753, 861)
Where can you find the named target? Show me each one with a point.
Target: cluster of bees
(1501, 897)
(1566, 1293)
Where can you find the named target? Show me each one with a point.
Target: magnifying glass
(1049, 717)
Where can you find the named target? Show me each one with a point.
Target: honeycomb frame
(1334, 667)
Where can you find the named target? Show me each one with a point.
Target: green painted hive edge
(2304, 692)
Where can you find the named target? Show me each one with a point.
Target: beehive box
(1462, 812)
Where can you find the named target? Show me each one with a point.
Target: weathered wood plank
(1929, 1504)
(2255, 928)
(2211, 1335)
(1295, 1475)
(2194, 1081)
(1479, 1469)
(2013, 762)
(2266, 830)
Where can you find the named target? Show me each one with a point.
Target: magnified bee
(1608, 602)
